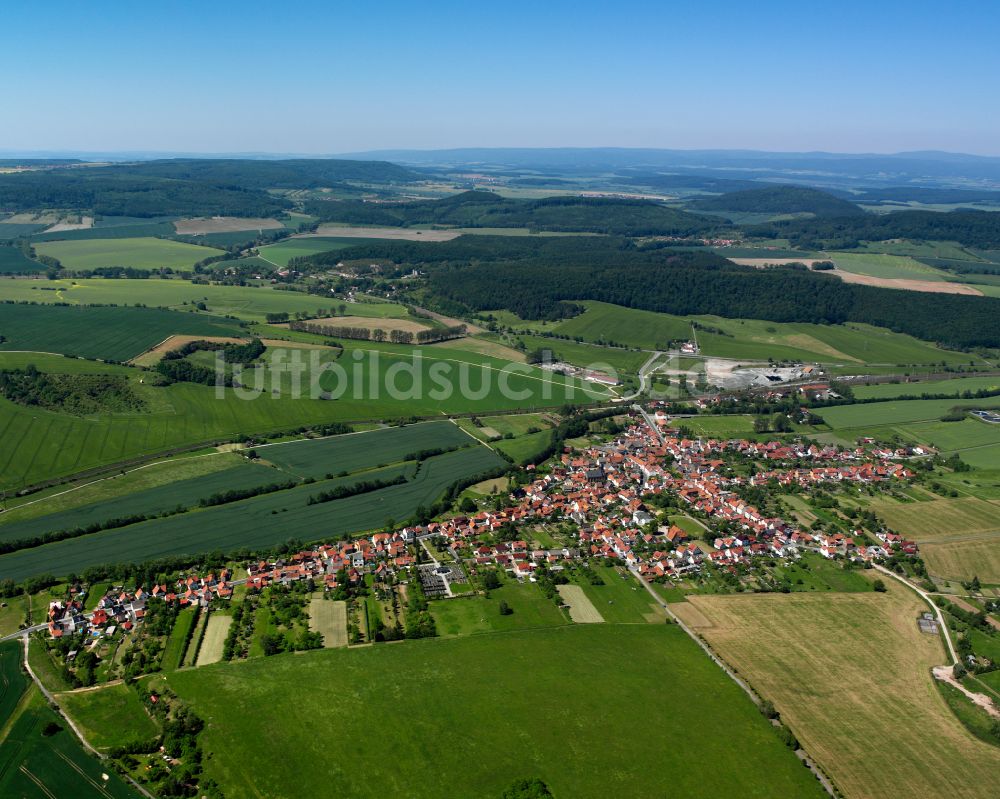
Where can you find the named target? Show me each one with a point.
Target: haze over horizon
(246, 78)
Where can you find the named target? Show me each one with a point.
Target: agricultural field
(13, 680)
(621, 599)
(251, 303)
(258, 522)
(788, 646)
(199, 226)
(177, 643)
(886, 265)
(214, 639)
(581, 609)
(849, 417)
(919, 387)
(139, 253)
(526, 448)
(108, 716)
(284, 251)
(112, 334)
(622, 363)
(602, 322)
(12, 261)
(237, 700)
(40, 757)
(356, 451)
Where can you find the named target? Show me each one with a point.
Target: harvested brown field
(369, 323)
(223, 224)
(961, 559)
(214, 640)
(850, 674)
(155, 354)
(581, 609)
(907, 284)
(84, 223)
(328, 618)
(395, 233)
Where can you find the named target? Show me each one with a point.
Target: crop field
(258, 522)
(329, 618)
(44, 444)
(939, 518)
(355, 451)
(199, 226)
(109, 716)
(33, 764)
(962, 559)
(847, 671)
(139, 253)
(526, 448)
(214, 639)
(284, 251)
(603, 322)
(12, 261)
(114, 334)
(955, 385)
(886, 266)
(16, 230)
(182, 493)
(430, 695)
(845, 417)
(134, 229)
(13, 680)
(246, 302)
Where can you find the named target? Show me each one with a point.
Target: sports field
(114, 334)
(258, 522)
(849, 673)
(542, 703)
(139, 253)
(109, 716)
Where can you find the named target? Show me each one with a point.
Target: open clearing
(329, 618)
(581, 609)
(396, 233)
(906, 284)
(139, 253)
(223, 224)
(108, 716)
(214, 639)
(368, 323)
(850, 674)
(402, 698)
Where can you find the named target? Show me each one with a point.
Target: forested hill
(971, 228)
(185, 187)
(539, 278)
(779, 200)
(485, 209)
(298, 173)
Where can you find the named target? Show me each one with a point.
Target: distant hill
(485, 209)
(779, 200)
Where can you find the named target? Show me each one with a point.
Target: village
(606, 493)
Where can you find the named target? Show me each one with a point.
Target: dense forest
(184, 187)
(539, 278)
(77, 394)
(779, 200)
(970, 228)
(485, 209)
(108, 193)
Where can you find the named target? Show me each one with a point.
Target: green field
(109, 716)
(899, 412)
(622, 363)
(13, 680)
(525, 449)
(478, 614)
(543, 703)
(139, 253)
(35, 764)
(886, 266)
(12, 261)
(917, 388)
(114, 334)
(745, 339)
(349, 453)
(43, 444)
(262, 521)
(246, 302)
(284, 251)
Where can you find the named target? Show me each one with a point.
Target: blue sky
(327, 77)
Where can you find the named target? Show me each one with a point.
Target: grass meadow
(109, 716)
(543, 704)
(284, 251)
